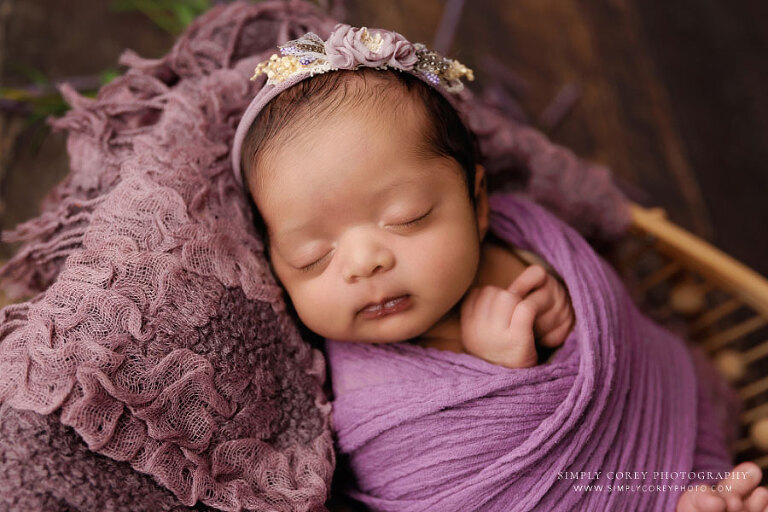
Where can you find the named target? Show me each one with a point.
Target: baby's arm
(498, 325)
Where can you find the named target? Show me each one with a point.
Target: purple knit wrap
(435, 430)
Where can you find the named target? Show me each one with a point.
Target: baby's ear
(481, 200)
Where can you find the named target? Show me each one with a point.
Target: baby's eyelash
(311, 266)
(417, 220)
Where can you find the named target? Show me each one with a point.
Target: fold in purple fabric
(427, 429)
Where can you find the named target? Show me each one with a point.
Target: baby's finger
(544, 300)
(745, 477)
(521, 323)
(530, 279)
(702, 499)
(554, 324)
(502, 307)
(757, 501)
(485, 301)
(556, 336)
(501, 310)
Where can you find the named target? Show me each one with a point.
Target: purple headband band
(347, 48)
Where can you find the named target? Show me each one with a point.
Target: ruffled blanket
(158, 367)
(427, 429)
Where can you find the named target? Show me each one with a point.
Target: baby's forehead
(375, 92)
(376, 96)
(370, 92)
(357, 126)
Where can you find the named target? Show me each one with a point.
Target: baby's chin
(396, 336)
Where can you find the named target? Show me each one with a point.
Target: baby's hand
(498, 325)
(738, 492)
(555, 316)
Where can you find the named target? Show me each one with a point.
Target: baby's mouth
(388, 306)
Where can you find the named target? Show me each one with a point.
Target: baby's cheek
(320, 308)
(447, 261)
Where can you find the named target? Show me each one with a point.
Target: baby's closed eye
(314, 264)
(417, 220)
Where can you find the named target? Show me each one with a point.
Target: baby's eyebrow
(284, 233)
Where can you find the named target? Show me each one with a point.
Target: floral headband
(347, 48)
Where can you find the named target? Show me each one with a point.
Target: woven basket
(716, 302)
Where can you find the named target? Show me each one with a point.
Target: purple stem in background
(496, 69)
(448, 23)
(335, 9)
(79, 83)
(632, 191)
(338, 10)
(14, 107)
(560, 106)
(498, 95)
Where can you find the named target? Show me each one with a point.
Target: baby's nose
(367, 258)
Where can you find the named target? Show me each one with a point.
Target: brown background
(672, 93)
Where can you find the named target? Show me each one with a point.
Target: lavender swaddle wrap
(427, 429)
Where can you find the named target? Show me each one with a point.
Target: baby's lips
(383, 300)
(387, 307)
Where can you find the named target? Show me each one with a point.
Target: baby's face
(356, 215)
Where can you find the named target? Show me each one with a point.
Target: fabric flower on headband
(350, 47)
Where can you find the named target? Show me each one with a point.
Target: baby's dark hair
(304, 103)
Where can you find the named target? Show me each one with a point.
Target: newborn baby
(384, 240)
(374, 212)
